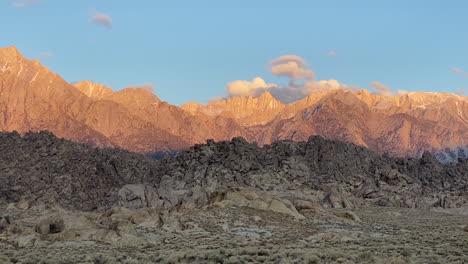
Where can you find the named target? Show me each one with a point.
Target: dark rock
(4, 223)
(383, 202)
(51, 225)
(41, 168)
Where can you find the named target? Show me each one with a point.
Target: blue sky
(190, 50)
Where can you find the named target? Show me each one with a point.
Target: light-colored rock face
(398, 125)
(248, 111)
(93, 90)
(10, 55)
(34, 98)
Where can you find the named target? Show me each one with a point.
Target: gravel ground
(245, 235)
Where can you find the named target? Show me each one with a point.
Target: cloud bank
(301, 81)
(384, 90)
(246, 88)
(381, 89)
(291, 66)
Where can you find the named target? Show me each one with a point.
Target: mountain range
(33, 98)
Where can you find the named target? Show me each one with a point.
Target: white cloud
(381, 89)
(324, 85)
(292, 92)
(101, 19)
(301, 83)
(384, 90)
(291, 66)
(246, 88)
(296, 91)
(287, 58)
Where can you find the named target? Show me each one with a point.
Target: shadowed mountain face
(34, 98)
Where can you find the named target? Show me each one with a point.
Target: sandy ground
(245, 235)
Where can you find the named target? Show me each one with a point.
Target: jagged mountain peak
(34, 98)
(13, 62)
(138, 95)
(93, 90)
(268, 98)
(10, 51)
(426, 98)
(9, 58)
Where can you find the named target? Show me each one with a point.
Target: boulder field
(39, 168)
(318, 201)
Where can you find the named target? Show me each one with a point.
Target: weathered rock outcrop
(39, 168)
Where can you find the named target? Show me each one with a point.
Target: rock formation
(40, 168)
(230, 201)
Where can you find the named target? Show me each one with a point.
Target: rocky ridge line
(39, 168)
